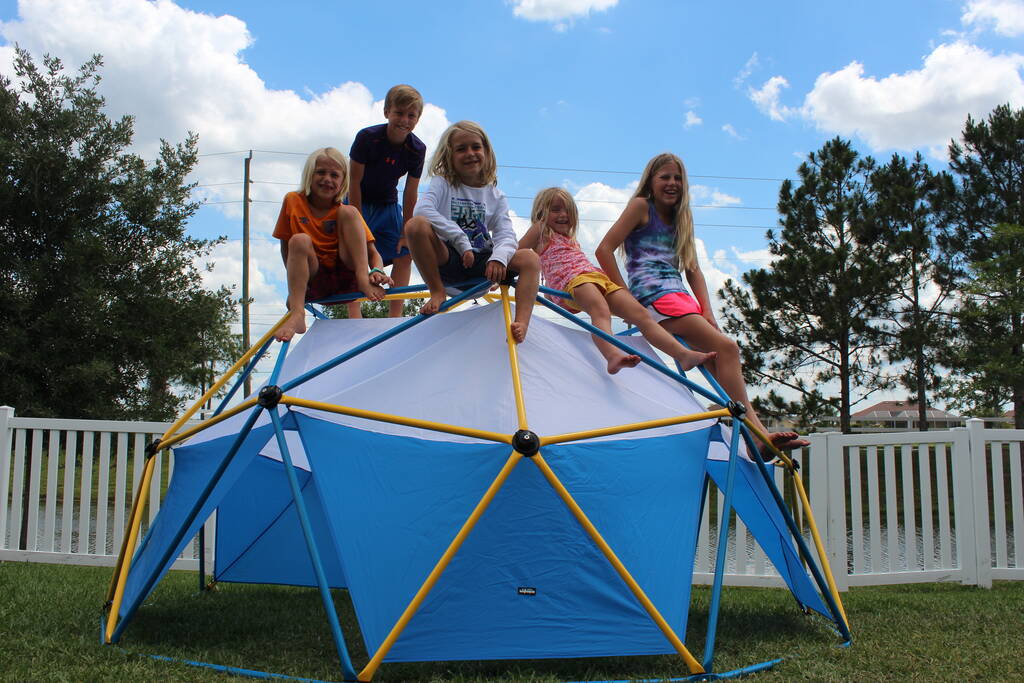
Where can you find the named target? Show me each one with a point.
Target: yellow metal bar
(223, 380)
(634, 427)
(581, 517)
(809, 516)
(124, 561)
(513, 359)
(371, 667)
(192, 431)
(397, 419)
(820, 548)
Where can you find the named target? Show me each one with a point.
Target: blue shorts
(385, 222)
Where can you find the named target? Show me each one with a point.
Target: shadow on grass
(283, 629)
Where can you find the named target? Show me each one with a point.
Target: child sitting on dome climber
(566, 268)
(326, 246)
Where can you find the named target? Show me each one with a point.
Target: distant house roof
(900, 410)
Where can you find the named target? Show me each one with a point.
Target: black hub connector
(270, 396)
(153, 448)
(526, 442)
(736, 409)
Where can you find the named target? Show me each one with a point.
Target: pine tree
(815, 309)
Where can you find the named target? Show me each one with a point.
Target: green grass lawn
(50, 625)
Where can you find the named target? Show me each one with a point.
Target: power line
(533, 168)
(635, 173)
(578, 201)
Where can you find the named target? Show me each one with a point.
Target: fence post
(979, 501)
(963, 507)
(6, 445)
(836, 533)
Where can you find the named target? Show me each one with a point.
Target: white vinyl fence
(67, 487)
(891, 508)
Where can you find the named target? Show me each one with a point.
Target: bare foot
(374, 292)
(519, 332)
(433, 305)
(622, 361)
(787, 441)
(694, 358)
(295, 324)
(784, 441)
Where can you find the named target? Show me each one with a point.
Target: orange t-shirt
(296, 216)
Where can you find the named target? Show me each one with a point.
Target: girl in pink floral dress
(565, 268)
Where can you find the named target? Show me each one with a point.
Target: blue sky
(739, 90)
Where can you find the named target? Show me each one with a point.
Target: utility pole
(246, 343)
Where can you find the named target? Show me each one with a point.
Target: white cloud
(1005, 17)
(558, 10)
(599, 205)
(745, 72)
(766, 98)
(702, 194)
(757, 258)
(692, 119)
(922, 108)
(177, 71)
(731, 130)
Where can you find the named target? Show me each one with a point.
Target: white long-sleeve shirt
(469, 218)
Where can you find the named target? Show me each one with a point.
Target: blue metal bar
(242, 377)
(736, 673)
(316, 313)
(314, 554)
(190, 518)
(233, 670)
(628, 349)
(723, 398)
(276, 372)
(202, 558)
(723, 543)
(384, 336)
(352, 296)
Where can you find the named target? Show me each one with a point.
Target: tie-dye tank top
(652, 265)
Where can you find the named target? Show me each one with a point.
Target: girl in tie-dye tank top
(566, 268)
(655, 232)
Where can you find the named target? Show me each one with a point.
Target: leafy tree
(815, 309)
(983, 201)
(376, 309)
(901, 209)
(104, 313)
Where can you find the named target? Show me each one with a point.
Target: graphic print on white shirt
(470, 215)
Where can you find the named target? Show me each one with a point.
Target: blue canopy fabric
(384, 501)
(528, 582)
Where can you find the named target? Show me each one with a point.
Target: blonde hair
(306, 184)
(682, 218)
(542, 205)
(441, 162)
(404, 97)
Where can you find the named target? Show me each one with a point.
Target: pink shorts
(674, 305)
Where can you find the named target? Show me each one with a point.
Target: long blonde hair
(686, 250)
(541, 207)
(306, 183)
(441, 162)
